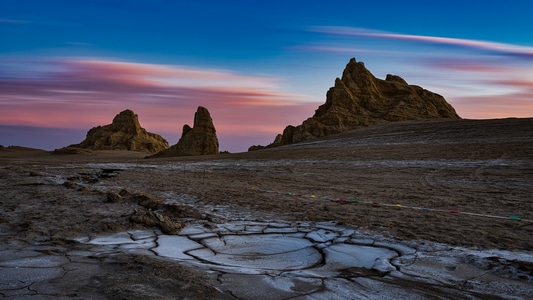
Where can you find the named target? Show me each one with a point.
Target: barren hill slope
(429, 138)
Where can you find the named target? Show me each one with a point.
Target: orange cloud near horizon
(517, 105)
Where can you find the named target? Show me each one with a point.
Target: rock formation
(124, 133)
(201, 139)
(359, 99)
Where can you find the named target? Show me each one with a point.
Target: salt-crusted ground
(411, 210)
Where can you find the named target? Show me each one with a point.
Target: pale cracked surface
(282, 222)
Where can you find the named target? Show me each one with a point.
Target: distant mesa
(19, 149)
(359, 99)
(201, 139)
(124, 133)
(17, 152)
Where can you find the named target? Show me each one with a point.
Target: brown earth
(483, 167)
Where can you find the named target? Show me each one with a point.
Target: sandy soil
(470, 176)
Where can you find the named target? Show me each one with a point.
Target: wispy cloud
(339, 49)
(12, 21)
(467, 65)
(77, 93)
(497, 48)
(78, 44)
(520, 83)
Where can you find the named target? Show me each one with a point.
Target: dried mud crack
(54, 208)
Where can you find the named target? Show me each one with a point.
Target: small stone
(113, 198)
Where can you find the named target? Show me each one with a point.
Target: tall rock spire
(201, 139)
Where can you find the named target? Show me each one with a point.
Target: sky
(257, 66)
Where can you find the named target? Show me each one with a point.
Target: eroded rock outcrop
(359, 99)
(201, 139)
(124, 133)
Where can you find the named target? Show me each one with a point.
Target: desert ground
(459, 183)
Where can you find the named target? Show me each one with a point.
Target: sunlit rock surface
(359, 99)
(124, 133)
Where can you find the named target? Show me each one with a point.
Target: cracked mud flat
(270, 224)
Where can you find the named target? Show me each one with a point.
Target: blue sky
(66, 66)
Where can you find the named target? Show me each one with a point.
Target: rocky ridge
(124, 133)
(201, 139)
(359, 99)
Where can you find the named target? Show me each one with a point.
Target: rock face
(359, 99)
(201, 139)
(125, 133)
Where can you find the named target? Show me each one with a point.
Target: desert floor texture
(424, 185)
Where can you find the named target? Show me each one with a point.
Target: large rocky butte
(360, 99)
(201, 139)
(124, 133)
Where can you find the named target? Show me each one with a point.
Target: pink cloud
(85, 93)
(520, 83)
(153, 75)
(467, 65)
(519, 104)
